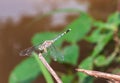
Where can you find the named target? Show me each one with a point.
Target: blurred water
(16, 8)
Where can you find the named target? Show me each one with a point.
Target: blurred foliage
(67, 78)
(25, 72)
(100, 37)
(80, 27)
(69, 52)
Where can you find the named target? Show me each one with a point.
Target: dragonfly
(42, 48)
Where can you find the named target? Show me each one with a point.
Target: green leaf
(103, 40)
(86, 64)
(25, 72)
(71, 54)
(88, 79)
(101, 60)
(99, 24)
(114, 19)
(67, 78)
(79, 28)
(105, 26)
(93, 38)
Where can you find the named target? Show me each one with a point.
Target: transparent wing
(55, 53)
(28, 51)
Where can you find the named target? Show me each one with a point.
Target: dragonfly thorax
(45, 45)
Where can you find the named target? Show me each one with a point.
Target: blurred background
(20, 21)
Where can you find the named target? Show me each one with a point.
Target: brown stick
(97, 74)
(49, 68)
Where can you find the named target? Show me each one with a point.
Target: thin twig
(116, 38)
(117, 42)
(49, 68)
(98, 74)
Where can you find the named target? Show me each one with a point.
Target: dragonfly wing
(27, 51)
(55, 53)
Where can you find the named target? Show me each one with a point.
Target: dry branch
(49, 68)
(98, 74)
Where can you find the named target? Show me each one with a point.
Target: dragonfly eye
(41, 51)
(68, 30)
